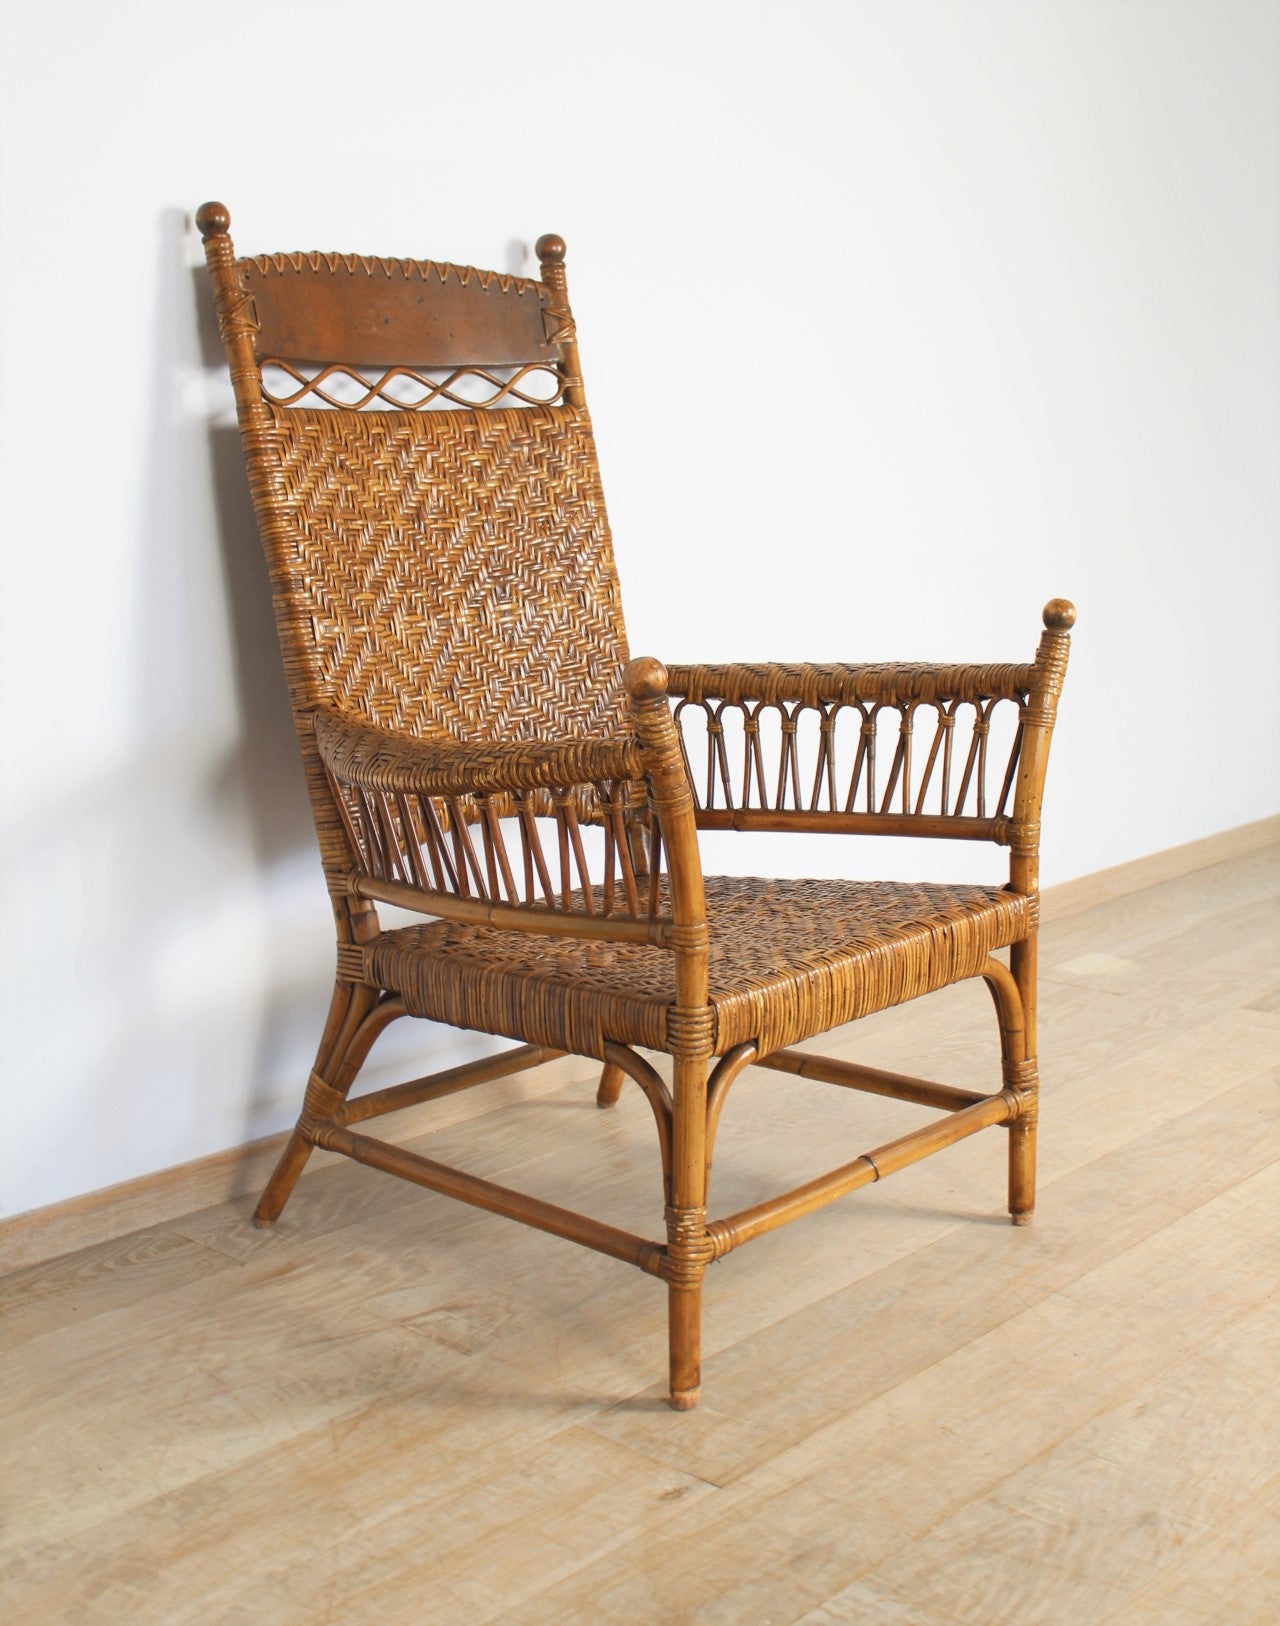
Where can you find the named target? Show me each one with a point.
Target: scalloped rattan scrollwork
(853, 757)
(527, 850)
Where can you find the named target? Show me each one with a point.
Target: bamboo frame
(730, 1233)
(871, 1080)
(469, 1188)
(454, 774)
(436, 1086)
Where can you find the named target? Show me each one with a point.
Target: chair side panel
(449, 570)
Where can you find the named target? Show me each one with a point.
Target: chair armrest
(891, 749)
(371, 758)
(890, 683)
(491, 832)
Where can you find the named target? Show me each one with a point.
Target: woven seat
(480, 749)
(787, 960)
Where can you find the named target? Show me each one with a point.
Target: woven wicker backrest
(450, 570)
(426, 479)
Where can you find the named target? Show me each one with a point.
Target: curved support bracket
(352, 1058)
(657, 1094)
(718, 1085)
(1007, 996)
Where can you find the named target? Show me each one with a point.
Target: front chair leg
(684, 1332)
(1013, 990)
(1022, 1075)
(688, 1254)
(1022, 1152)
(689, 1250)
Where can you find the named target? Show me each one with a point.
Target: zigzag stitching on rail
(426, 269)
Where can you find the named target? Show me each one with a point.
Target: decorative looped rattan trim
(352, 965)
(1023, 838)
(558, 325)
(1051, 661)
(1028, 1107)
(1041, 710)
(1022, 1086)
(691, 1033)
(237, 317)
(321, 1102)
(689, 1248)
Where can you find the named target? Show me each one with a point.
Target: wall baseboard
(241, 1171)
(1070, 897)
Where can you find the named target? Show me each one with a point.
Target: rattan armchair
(479, 748)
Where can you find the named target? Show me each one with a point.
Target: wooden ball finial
(550, 247)
(1059, 615)
(213, 219)
(646, 678)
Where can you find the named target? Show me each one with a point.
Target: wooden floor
(394, 1408)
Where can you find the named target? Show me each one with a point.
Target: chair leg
(343, 1048)
(688, 1247)
(611, 1082)
(1022, 1170)
(684, 1328)
(283, 1179)
(1021, 1073)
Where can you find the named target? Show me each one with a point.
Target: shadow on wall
(256, 785)
(175, 955)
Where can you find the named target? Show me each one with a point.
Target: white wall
(944, 308)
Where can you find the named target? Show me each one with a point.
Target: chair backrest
(426, 483)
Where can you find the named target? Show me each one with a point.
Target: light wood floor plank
(1229, 1576)
(392, 1407)
(78, 1286)
(881, 1477)
(1181, 1461)
(850, 1345)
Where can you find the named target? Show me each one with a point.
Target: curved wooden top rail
(371, 312)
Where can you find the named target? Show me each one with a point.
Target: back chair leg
(283, 1179)
(611, 1082)
(1021, 1073)
(344, 1045)
(1013, 990)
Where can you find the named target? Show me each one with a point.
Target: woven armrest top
(894, 683)
(359, 753)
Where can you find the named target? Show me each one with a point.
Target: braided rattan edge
(812, 685)
(380, 759)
